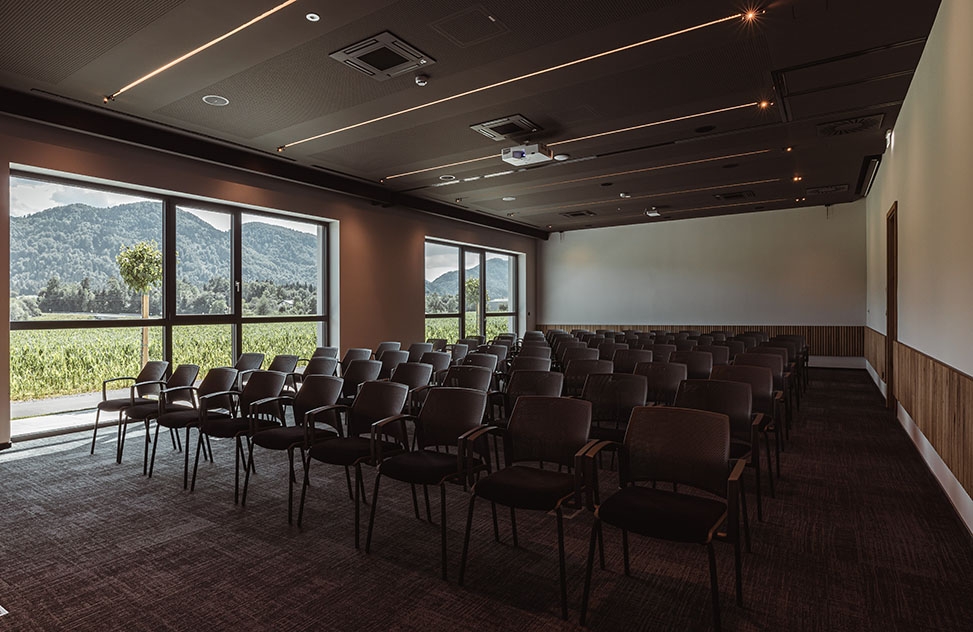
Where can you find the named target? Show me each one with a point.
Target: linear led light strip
(710, 208)
(200, 49)
(749, 16)
(761, 104)
(668, 193)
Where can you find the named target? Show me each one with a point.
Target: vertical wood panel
(824, 340)
(875, 351)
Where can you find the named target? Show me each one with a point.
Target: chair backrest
(316, 391)
(687, 344)
(359, 371)
(614, 395)
(578, 353)
(184, 375)
(459, 351)
(471, 343)
(153, 371)
(793, 349)
(748, 341)
(721, 354)
(438, 344)
(498, 350)
(412, 374)
(540, 350)
(718, 336)
(606, 350)
(283, 363)
(534, 335)
(487, 360)
(388, 345)
(732, 399)
(440, 360)
(771, 361)
(768, 347)
(376, 401)
(677, 445)
(391, 359)
(761, 336)
(663, 379)
(355, 353)
(704, 340)
(577, 371)
(261, 385)
(416, 349)
(321, 365)
(660, 351)
(469, 376)
(548, 429)
(249, 361)
(760, 379)
(698, 363)
(447, 413)
(327, 352)
(530, 363)
(625, 360)
(547, 383)
(595, 341)
(216, 381)
(735, 347)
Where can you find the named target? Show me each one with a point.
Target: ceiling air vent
(732, 196)
(576, 214)
(833, 188)
(383, 56)
(850, 126)
(506, 127)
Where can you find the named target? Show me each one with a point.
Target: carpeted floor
(860, 537)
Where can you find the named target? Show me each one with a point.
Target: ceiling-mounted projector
(523, 155)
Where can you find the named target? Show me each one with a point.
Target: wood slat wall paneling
(824, 340)
(875, 351)
(940, 400)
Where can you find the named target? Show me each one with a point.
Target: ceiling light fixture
(312, 17)
(508, 198)
(216, 100)
(624, 195)
(561, 157)
(446, 177)
(798, 178)
(680, 192)
(505, 82)
(572, 140)
(653, 213)
(199, 49)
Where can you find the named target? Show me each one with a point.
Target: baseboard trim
(882, 386)
(960, 500)
(836, 362)
(4, 446)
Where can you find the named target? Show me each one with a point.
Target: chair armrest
(465, 445)
(104, 384)
(175, 389)
(205, 399)
(580, 476)
(134, 387)
(586, 456)
(315, 412)
(376, 451)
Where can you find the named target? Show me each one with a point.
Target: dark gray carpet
(859, 537)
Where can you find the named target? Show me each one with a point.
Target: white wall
(381, 272)
(795, 267)
(929, 172)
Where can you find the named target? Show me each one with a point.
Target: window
(232, 281)
(487, 304)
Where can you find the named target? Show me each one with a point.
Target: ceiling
(697, 117)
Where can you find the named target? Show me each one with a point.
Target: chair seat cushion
(348, 450)
(423, 467)
(525, 487)
(663, 514)
(228, 428)
(121, 403)
(282, 438)
(188, 417)
(143, 411)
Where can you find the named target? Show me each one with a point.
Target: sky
(29, 196)
(441, 258)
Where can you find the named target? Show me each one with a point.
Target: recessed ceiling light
(312, 17)
(788, 149)
(550, 226)
(216, 100)
(624, 195)
(653, 213)
(447, 178)
(561, 157)
(798, 178)
(508, 198)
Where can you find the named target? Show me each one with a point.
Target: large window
(231, 281)
(469, 290)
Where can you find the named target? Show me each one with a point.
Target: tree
(141, 269)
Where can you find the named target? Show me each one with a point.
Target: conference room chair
(698, 363)
(606, 350)
(438, 344)
(765, 400)
(662, 380)
(416, 349)
(775, 364)
(613, 396)
(391, 359)
(721, 354)
(660, 351)
(577, 371)
(357, 373)
(141, 389)
(625, 360)
(355, 353)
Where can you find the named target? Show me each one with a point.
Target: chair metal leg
(351, 494)
(145, 452)
(415, 501)
(358, 494)
(496, 526)
(185, 467)
(744, 514)
(199, 444)
(174, 438)
(290, 485)
(371, 514)
(304, 486)
(738, 564)
(466, 539)
(361, 485)
(442, 520)
(628, 570)
(120, 439)
(513, 525)
(595, 536)
(246, 476)
(94, 435)
(560, 558)
(425, 493)
(714, 587)
(770, 469)
(154, 444)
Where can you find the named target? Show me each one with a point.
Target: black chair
(447, 417)
(382, 347)
(660, 351)
(612, 397)
(542, 430)
(720, 353)
(624, 360)
(488, 360)
(416, 349)
(438, 344)
(249, 362)
(256, 408)
(321, 365)
(311, 403)
(663, 380)
(699, 364)
(210, 399)
(440, 361)
(391, 359)
(147, 383)
(375, 401)
(173, 397)
(415, 375)
(688, 448)
(577, 371)
(355, 353)
(327, 352)
(775, 363)
(765, 400)
(358, 372)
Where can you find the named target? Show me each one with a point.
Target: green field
(47, 363)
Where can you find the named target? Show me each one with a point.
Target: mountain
(497, 280)
(78, 241)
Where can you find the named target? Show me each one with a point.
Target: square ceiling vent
(506, 127)
(383, 56)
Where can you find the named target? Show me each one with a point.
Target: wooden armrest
(315, 412)
(376, 448)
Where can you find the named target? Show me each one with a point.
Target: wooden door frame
(891, 302)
